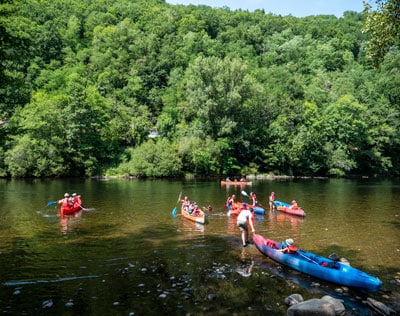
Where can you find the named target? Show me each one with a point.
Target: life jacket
(292, 249)
(77, 200)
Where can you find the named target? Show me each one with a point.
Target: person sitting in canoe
(196, 210)
(76, 199)
(191, 207)
(294, 205)
(288, 246)
(66, 201)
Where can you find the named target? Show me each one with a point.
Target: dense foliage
(383, 25)
(83, 82)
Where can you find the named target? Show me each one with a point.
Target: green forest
(148, 89)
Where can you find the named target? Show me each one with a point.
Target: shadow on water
(164, 277)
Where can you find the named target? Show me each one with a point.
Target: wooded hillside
(83, 83)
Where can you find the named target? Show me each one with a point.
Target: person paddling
(185, 204)
(65, 202)
(253, 198)
(76, 200)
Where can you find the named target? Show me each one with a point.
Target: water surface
(128, 254)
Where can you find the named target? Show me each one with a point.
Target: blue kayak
(318, 266)
(258, 210)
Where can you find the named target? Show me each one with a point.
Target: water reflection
(189, 228)
(283, 221)
(70, 223)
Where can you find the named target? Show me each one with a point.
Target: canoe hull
(236, 183)
(237, 208)
(287, 208)
(201, 219)
(70, 210)
(318, 266)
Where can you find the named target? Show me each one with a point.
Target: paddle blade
(245, 194)
(179, 197)
(174, 212)
(51, 203)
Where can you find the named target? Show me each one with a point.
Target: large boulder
(340, 309)
(317, 307)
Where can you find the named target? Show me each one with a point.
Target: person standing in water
(244, 219)
(271, 200)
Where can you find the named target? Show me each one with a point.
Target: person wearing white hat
(288, 246)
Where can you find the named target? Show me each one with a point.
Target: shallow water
(129, 255)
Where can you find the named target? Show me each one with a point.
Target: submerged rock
(379, 307)
(47, 304)
(294, 299)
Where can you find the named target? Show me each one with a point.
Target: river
(127, 254)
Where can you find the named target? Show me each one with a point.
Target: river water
(127, 254)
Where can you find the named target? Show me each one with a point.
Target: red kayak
(289, 209)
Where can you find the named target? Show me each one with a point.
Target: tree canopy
(149, 89)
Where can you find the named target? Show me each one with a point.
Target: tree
(14, 53)
(154, 158)
(383, 25)
(344, 129)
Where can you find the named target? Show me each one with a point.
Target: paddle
(174, 210)
(244, 193)
(55, 202)
(304, 256)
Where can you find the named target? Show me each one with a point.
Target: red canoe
(66, 210)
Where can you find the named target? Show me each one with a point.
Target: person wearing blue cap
(244, 217)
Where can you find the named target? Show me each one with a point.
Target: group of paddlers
(73, 201)
(191, 207)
